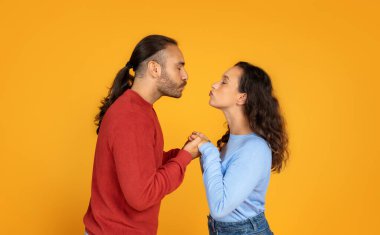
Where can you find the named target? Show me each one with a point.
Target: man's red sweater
(131, 173)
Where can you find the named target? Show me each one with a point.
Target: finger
(194, 133)
(193, 137)
(197, 140)
(203, 136)
(197, 134)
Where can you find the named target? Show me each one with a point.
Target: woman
(236, 174)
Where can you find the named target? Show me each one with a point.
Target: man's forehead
(174, 54)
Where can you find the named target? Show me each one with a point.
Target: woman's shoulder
(255, 144)
(254, 141)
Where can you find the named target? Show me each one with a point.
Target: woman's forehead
(233, 74)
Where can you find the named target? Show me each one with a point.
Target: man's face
(173, 77)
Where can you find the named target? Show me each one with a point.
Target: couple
(132, 173)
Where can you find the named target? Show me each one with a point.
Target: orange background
(58, 58)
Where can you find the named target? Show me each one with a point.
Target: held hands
(195, 141)
(200, 135)
(191, 146)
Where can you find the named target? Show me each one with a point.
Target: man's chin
(174, 93)
(179, 95)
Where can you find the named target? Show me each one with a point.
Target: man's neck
(146, 90)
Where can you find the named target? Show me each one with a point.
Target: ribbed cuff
(183, 157)
(209, 153)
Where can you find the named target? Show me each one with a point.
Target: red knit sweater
(131, 173)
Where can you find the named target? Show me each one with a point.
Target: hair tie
(129, 65)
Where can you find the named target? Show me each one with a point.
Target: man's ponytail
(145, 49)
(123, 81)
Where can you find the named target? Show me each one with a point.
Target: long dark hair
(263, 112)
(147, 48)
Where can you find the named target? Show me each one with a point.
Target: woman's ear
(242, 98)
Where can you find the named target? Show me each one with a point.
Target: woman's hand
(203, 138)
(191, 146)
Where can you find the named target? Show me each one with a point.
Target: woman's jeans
(257, 225)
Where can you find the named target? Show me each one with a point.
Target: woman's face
(225, 93)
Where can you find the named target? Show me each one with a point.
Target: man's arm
(144, 185)
(166, 156)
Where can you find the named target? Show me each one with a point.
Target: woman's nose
(214, 86)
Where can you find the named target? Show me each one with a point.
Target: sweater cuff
(207, 148)
(209, 153)
(183, 157)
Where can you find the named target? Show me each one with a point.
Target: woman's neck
(237, 121)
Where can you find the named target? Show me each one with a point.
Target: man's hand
(191, 146)
(196, 134)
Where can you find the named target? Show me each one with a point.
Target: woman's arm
(243, 174)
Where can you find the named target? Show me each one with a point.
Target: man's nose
(185, 76)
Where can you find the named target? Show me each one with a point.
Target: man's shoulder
(125, 113)
(124, 107)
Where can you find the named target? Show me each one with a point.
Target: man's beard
(168, 87)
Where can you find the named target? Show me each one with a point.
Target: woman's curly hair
(263, 112)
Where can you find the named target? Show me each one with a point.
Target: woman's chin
(212, 104)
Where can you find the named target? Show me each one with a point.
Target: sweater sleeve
(226, 192)
(166, 156)
(143, 183)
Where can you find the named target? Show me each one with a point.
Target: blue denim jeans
(257, 225)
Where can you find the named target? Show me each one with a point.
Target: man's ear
(242, 98)
(154, 69)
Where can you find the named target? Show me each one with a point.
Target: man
(131, 172)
